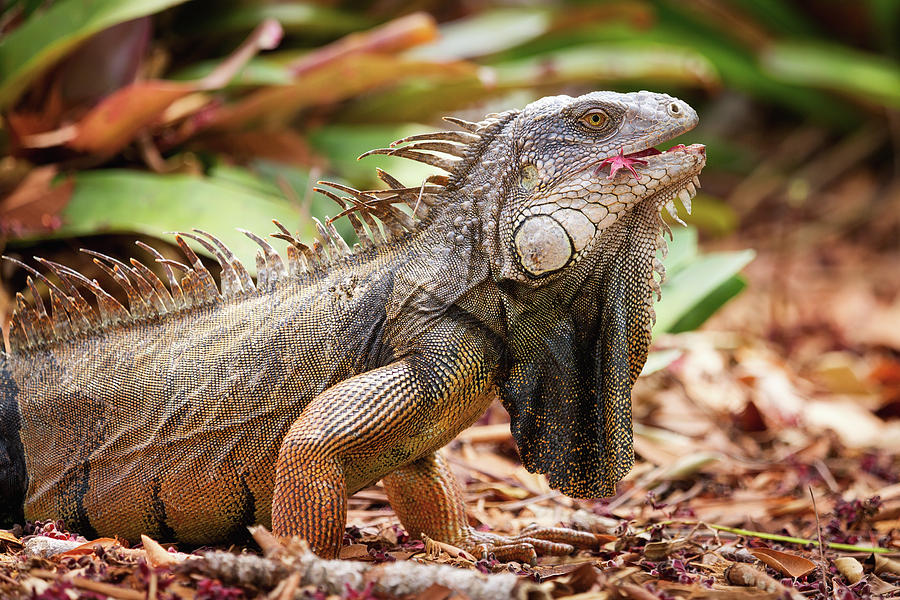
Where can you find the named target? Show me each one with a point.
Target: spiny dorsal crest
(372, 214)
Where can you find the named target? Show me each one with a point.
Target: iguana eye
(595, 119)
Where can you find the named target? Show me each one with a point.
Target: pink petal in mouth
(627, 161)
(620, 161)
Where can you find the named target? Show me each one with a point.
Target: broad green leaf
(610, 62)
(867, 77)
(47, 36)
(486, 33)
(296, 17)
(694, 291)
(123, 201)
(776, 15)
(341, 144)
(737, 66)
(682, 249)
(300, 188)
(603, 65)
(258, 71)
(707, 307)
(421, 100)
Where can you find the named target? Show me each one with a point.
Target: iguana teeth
(673, 212)
(696, 181)
(670, 206)
(685, 197)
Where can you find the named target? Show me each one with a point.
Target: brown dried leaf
(496, 433)
(6, 536)
(657, 551)
(118, 118)
(507, 492)
(331, 82)
(284, 146)
(394, 36)
(270, 545)
(635, 592)
(580, 572)
(401, 554)
(114, 122)
(884, 564)
(879, 586)
(436, 591)
(36, 203)
(786, 564)
(355, 552)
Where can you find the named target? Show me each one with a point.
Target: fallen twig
(747, 576)
(107, 589)
(795, 540)
(392, 579)
(821, 546)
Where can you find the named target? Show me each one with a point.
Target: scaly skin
(197, 412)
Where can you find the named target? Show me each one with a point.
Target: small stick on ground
(821, 545)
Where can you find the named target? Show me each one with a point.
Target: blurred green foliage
(158, 118)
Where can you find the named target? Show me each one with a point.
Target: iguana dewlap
(527, 271)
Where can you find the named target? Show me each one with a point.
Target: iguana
(528, 271)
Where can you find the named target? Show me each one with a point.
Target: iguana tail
(13, 477)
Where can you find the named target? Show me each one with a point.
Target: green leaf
(698, 288)
(300, 186)
(295, 17)
(867, 77)
(486, 33)
(696, 316)
(341, 144)
(122, 201)
(258, 71)
(47, 36)
(610, 62)
(683, 249)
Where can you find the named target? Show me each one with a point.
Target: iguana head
(582, 164)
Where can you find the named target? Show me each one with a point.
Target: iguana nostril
(542, 245)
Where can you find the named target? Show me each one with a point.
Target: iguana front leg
(365, 427)
(427, 499)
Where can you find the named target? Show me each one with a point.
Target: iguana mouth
(692, 149)
(634, 157)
